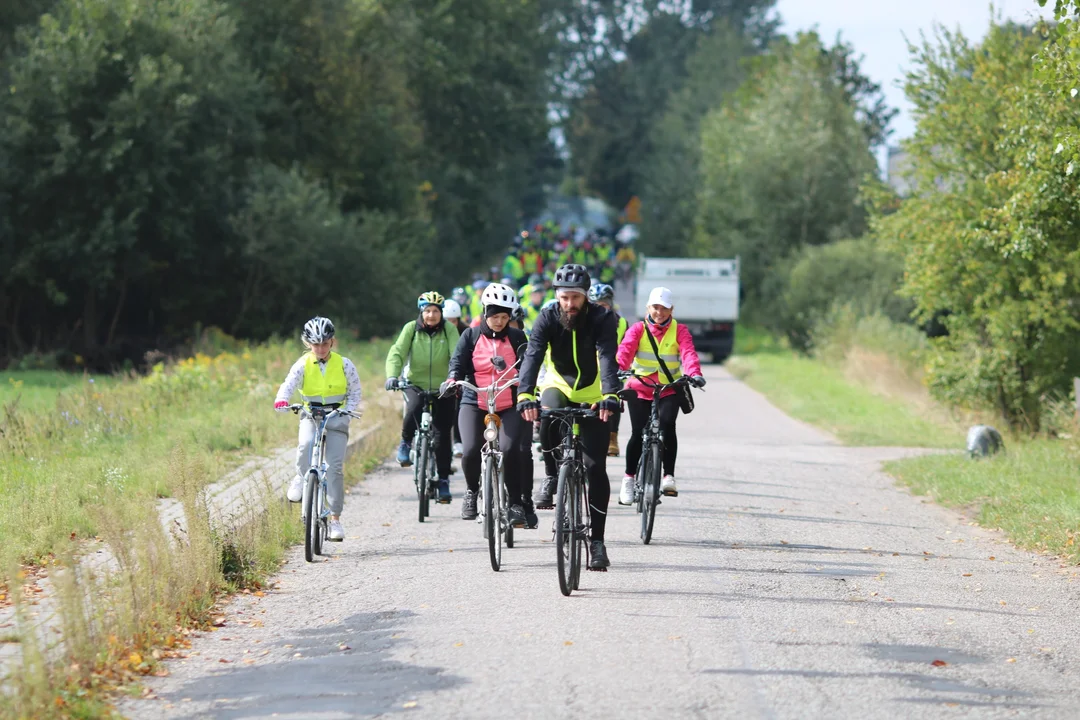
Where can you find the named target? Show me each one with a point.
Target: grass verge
(115, 627)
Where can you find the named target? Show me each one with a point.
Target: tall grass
(114, 626)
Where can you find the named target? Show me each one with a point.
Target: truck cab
(706, 297)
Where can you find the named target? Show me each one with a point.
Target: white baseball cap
(660, 296)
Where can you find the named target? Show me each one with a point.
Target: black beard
(571, 323)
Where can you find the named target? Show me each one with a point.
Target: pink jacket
(691, 365)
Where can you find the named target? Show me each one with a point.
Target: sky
(876, 29)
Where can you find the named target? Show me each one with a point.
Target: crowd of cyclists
(548, 317)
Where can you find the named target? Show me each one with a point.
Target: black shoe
(544, 497)
(531, 521)
(468, 506)
(598, 556)
(515, 516)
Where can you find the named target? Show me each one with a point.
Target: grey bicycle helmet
(572, 277)
(601, 292)
(318, 329)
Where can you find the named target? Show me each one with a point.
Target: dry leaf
(568, 642)
(939, 663)
(410, 704)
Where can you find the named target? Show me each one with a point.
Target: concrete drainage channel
(242, 491)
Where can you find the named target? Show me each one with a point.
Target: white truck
(706, 296)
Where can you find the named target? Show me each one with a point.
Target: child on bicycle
(325, 379)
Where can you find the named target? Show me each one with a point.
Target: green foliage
(988, 233)
(781, 165)
(858, 275)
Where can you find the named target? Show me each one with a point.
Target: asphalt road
(790, 579)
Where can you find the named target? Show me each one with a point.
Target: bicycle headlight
(490, 433)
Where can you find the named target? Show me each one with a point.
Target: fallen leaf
(223, 660)
(1012, 660)
(410, 704)
(967, 574)
(343, 646)
(939, 663)
(568, 642)
(135, 659)
(297, 655)
(259, 593)
(992, 557)
(249, 661)
(458, 644)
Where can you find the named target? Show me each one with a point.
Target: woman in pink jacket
(675, 347)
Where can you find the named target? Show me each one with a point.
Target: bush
(856, 274)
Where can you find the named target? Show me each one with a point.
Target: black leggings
(639, 418)
(442, 419)
(594, 440)
(471, 425)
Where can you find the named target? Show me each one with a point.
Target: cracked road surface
(790, 579)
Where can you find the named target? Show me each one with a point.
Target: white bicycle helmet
(318, 329)
(501, 295)
(452, 309)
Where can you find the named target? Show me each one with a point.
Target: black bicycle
(423, 451)
(650, 466)
(572, 498)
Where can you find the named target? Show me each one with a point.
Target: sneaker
(468, 506)
(458, 450)
(527, 507)
(626, 493)
(544, 497)
(444, 491)
(337, 533)
(613, 445)
(515, 515)
(403, 452)
(598, 556)
(296, 490)
(667, 486)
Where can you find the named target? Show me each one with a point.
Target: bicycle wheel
(491, 518)
(577, 537)
(639, 480)
(651, 492)
(310, 521)
(564, 532)
(422, 479)
(320, 521)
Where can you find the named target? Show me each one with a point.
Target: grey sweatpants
(337, 438)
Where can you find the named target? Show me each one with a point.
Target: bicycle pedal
(330, 539)
(592, 569)
(671, 493)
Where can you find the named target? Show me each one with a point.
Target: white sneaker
(667, 486)
(337, 533)
(626, 494)
(296, 490)
(458, 450)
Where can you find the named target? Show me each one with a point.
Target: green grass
(34, 387)
(821, 395)
(1030, 492)
(69, 447)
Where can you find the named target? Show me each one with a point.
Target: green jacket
(428, 356)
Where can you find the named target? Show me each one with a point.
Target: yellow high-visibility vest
(646, 362)
(325, 389)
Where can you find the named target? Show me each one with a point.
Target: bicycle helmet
(430, 298)
(460, 296)
(452, 309)
(536, 279)
(572, 277)
(318, 329)
(500, 295)
(519, 315)
(602, 292)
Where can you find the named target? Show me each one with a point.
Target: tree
(989, 231)
(781, 162)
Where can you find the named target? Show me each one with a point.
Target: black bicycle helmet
(572, 277)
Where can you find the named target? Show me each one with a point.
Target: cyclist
(473, 360)
(425, 346)
(452, 313)
(675, 347)
(578, 338)
(325, 379)
(604, 295)
(463, 298)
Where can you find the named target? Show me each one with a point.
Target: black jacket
(461, 364)
(574, 353)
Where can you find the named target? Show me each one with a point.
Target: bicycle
(423, 452)
(494, 498)
(571, 527)
(650, 466)
(315, 511)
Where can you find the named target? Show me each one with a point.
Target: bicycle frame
(423, 477)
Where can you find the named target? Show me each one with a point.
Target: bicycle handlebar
(649, 382)
(298, 408)
(493, 389)
(568, 412)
